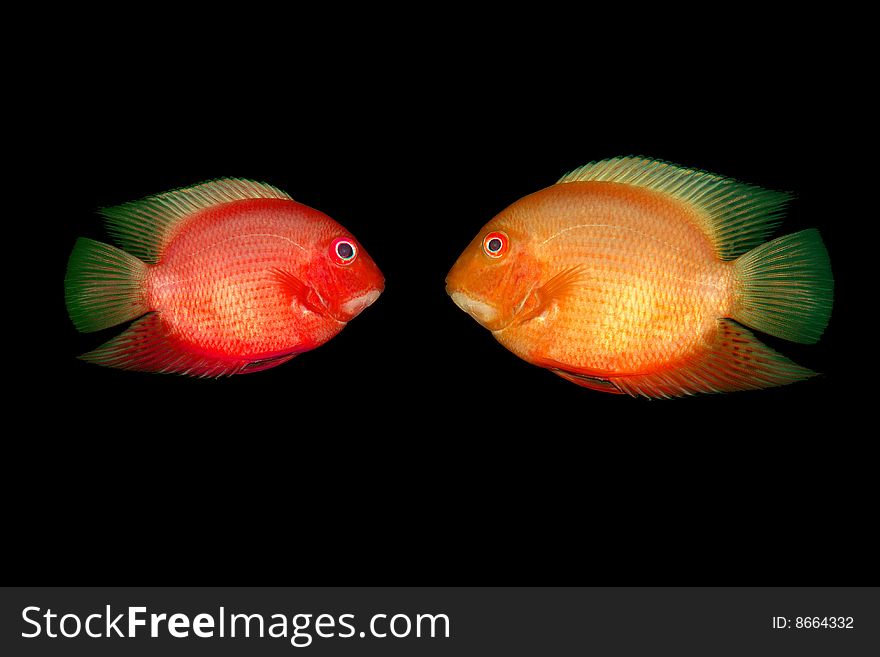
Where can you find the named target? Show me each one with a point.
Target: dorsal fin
(737, 217)
(142, 227)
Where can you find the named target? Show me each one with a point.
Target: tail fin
(785, 287)
(103, 286)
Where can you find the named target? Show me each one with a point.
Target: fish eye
(343, 251)
(495, 244)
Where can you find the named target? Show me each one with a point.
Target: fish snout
(485, 313)
(353, 307)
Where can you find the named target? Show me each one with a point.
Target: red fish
(228, 277)
(636, 276)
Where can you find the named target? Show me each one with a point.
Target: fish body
(230, 276)
(637, 276)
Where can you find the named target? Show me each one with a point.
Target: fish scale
(236, 305)
(228, 276)
(647, 302)
(630, 275)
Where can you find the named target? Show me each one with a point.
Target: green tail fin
(786, 288)
(103, 286)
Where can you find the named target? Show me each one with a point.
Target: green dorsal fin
(737, 217)
(142, 227)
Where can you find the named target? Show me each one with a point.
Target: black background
(412, 447)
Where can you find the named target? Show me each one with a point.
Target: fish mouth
(486, 314)
(354, 307)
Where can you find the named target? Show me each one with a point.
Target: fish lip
(355, 306)
(483, 313)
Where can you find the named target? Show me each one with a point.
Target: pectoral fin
(562, 285)
(304, 294)
(590, 382)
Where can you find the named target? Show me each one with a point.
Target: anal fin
(147, 346)
(734, 360)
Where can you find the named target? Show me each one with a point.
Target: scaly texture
(651, 287)
(240, 278)
(217, 285)
(622, 277)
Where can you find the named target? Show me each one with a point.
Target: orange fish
(636, 276)
(231, 276)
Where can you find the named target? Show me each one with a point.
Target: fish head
(495, 275)
(345, 277)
